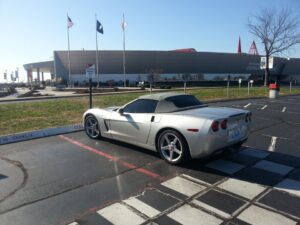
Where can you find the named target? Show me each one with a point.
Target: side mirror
(121, 111)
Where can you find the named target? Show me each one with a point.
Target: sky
(31, 30)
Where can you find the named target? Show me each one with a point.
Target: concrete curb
(25, 136)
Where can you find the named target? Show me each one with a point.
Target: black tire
(172, 147)
(91, 127)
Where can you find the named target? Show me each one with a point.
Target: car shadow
(130, 146)
(249, 171)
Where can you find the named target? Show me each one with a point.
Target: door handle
(152, 118)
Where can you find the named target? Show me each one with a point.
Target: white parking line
(243, 188)
(142, 207)
(272, 144)
(119, 214)
(265, 106)
(187, 214)
(283, 110)
(183, 186)
(245, 106)
(74, 223)
(260, 216)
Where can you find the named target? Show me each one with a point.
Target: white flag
(124, 25)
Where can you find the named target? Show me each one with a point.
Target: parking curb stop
(24, 136)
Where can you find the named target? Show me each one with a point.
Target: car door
(134, 123)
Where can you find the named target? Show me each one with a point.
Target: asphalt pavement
(71, 179)
(276, 123)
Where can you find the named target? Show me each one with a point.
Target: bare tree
(154, 75)
(277, 30)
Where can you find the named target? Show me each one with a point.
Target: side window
(141, 106)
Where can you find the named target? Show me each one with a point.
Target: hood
(112, 108)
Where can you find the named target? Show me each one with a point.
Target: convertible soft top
(160, 96)
(172, 102)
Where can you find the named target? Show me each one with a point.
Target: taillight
(215, 126)
(224, 124)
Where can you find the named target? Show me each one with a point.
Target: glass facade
(134, 78)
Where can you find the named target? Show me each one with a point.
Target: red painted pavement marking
(110, 157)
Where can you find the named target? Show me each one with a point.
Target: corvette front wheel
(172, 147)
(91, 127)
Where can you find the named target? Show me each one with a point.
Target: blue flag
(99, 27)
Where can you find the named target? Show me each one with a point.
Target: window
(183, 101)
(141, 106)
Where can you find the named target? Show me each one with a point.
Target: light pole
(228, 83)
(17, 74)
(248, 87)
(5, 77)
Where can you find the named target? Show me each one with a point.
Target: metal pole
(248, 88)
(69, 62)
(184, 86)
(97, 67)
(228, 88)
(124, 63)
(5, 78)
(90, 94)
(18, 74)
(290, 86)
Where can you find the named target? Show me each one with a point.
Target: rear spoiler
(239, 114)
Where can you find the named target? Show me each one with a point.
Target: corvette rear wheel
(172, 147)
(91, 127)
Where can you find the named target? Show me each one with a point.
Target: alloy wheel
(171, 147)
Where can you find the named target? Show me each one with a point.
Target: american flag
(70, 23)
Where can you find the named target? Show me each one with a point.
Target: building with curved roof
(163, 64)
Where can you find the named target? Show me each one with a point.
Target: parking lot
(71, 179)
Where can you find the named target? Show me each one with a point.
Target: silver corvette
(178, 126)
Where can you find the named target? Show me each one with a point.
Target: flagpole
(69, 83)
(124, 63)
(97, 67)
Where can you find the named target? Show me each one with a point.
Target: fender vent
(105, 124)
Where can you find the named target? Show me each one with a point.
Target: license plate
(234, 134)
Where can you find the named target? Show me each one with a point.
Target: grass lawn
(19, 117)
